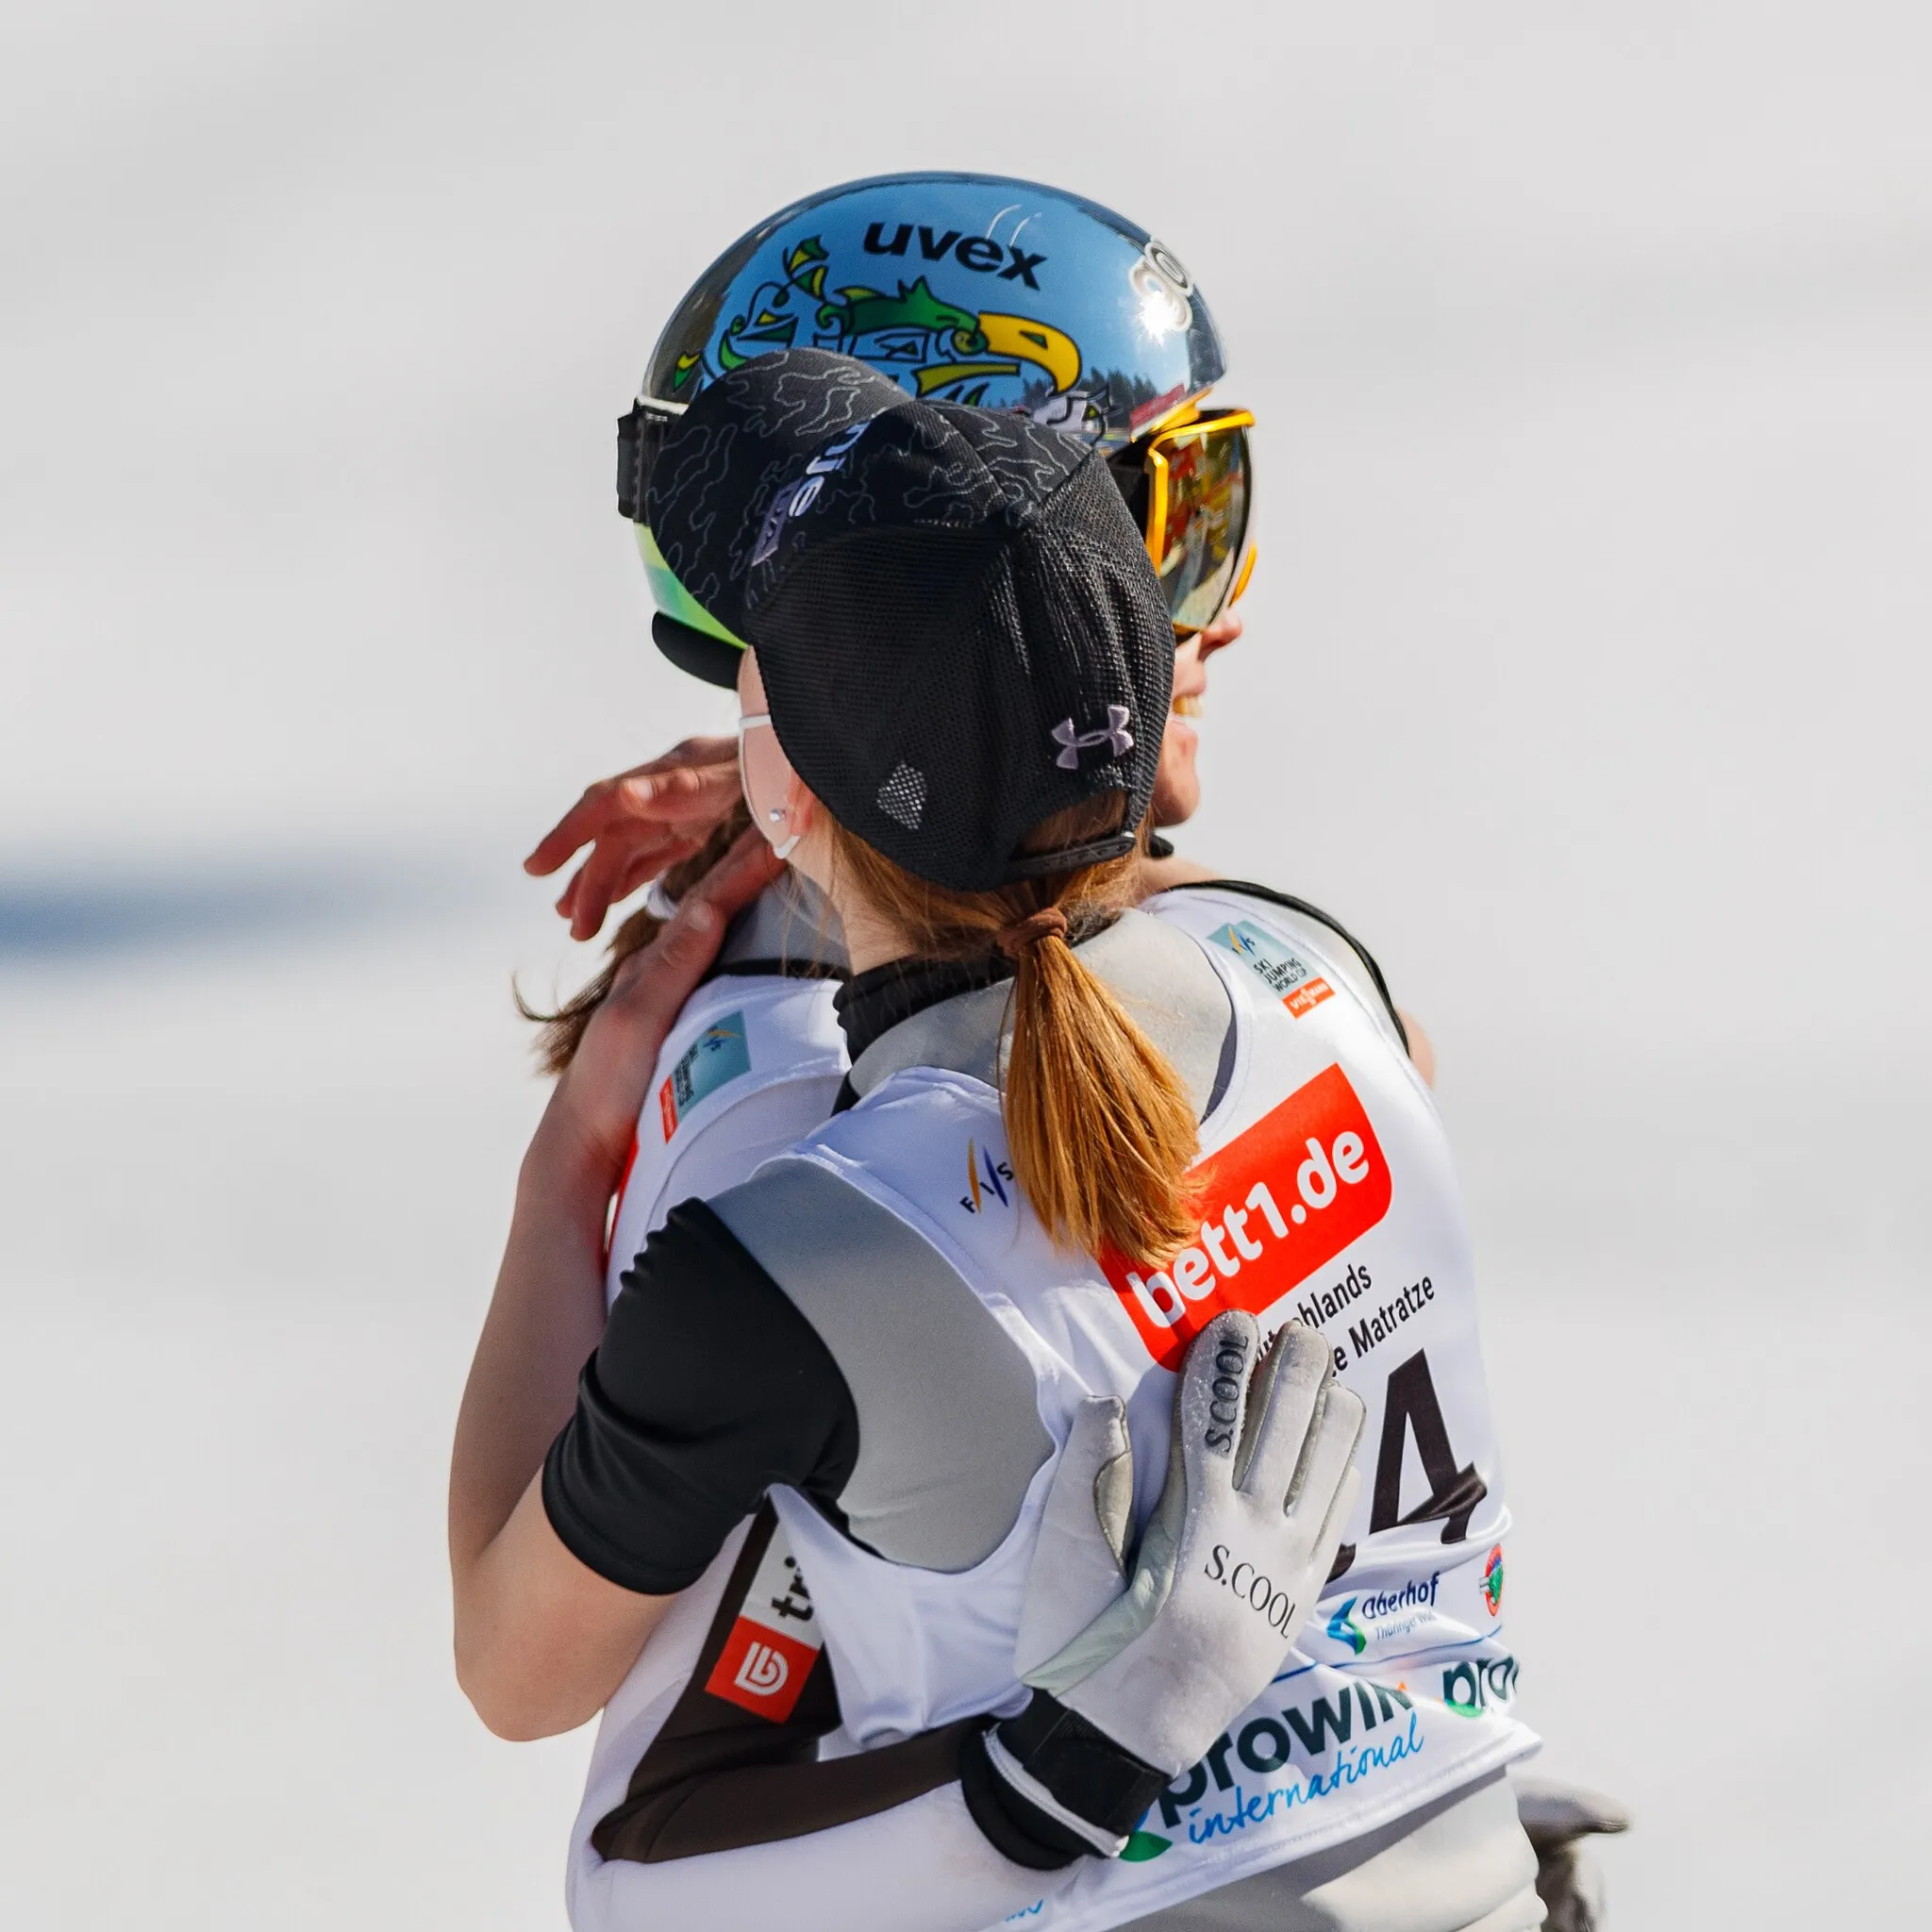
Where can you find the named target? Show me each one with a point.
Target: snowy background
(1585, 676)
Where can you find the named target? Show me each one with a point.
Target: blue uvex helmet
(981, 290)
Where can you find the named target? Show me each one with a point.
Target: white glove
(1134, 1676)
(1558, 1818)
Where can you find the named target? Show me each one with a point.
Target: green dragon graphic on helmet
(963, 288)
(976, 289)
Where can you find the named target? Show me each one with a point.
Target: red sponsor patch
(667, 1108)
(1308, 996)
(761, 1670)
(630, 1161)
(1281, 1202)
(774, 1640)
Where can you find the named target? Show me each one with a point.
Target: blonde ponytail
(1100, 1128)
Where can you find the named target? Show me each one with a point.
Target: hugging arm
(642, 821)
(1134, 1669)
(542, 1639)
(548, 1624)
(636, 825)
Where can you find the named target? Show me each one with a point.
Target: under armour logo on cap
(1114, 733)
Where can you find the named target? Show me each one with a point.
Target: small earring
(778, 814)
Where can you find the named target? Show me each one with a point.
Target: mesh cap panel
(957, 625)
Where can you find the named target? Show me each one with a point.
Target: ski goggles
(1190, 487)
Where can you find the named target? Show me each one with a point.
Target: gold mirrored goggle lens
(1200, 478)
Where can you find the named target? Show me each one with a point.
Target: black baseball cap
(958, 625)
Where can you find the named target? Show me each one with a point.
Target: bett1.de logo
(1280, 1201)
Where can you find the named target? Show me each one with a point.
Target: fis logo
(1343, 1628)
(986, 1179)
(1493, 1582)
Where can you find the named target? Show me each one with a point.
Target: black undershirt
(873, 1002)
(708, 1390)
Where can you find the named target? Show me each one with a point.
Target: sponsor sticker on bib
(717, 1055)
(1281, 1201)
(1282, 970)
(774, 1642)
(1493, 1582)
(1312, 1746)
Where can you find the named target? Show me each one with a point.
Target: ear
(801, 803)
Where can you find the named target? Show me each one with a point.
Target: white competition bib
(754, 1063)
(1328, 1195)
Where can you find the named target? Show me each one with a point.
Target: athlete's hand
(599, 1093)
(1134, 1676)
(636, 825)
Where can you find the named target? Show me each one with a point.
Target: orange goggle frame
(1197, 509)
(1189, 481)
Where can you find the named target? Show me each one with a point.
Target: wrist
(1046, 1786)
(568, 1164)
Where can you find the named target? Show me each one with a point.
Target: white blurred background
(1584, 677)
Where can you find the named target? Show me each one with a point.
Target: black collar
(871, 1003)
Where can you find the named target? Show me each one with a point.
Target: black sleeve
(708, 1388)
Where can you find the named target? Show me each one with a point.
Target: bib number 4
(1412, 1408)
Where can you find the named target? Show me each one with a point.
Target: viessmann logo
(1282, 1201)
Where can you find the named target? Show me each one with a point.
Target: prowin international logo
(1320, 1746)
(986, 1179)
(1343, 1628)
